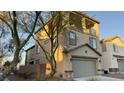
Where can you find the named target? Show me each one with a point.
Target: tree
(52, 29)
(18, 25)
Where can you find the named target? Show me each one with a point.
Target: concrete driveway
(98, 78)
(119, 75)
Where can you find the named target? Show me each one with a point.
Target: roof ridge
(110, 38)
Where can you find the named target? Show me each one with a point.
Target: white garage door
(121, 65)
(83, 67)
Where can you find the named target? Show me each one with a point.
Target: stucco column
(98, 66)
(67, 67)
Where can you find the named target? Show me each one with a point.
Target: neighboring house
(34, 55)
(79, 50)
(113, 54)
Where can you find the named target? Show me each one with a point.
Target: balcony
(90, 27)
(90, 31)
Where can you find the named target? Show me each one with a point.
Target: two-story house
(113, 54)
(79, 50)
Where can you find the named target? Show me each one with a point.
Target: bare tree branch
(16, 40)
(10, 17)
(33, 29)
(5, 21)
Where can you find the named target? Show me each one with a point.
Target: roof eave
(67, 51)
(84, 15)
(30, 48)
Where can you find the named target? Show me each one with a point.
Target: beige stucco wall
(108, 60)
(82, 38)
(30, 55)
(81, 52)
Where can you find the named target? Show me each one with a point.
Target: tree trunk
(16, 57)
(53, 69)
(53, 66)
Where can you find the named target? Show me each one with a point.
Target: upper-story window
(92, 31)
(93, 42)
(46, 41)
(37, 49)
(115, 48)
(72, 38)
(104, 49)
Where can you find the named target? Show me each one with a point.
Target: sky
(111, 22)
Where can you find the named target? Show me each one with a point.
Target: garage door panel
(121, 65)
(84, 68)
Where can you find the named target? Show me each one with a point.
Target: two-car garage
(83, 67)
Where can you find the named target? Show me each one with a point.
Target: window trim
(70, 32)
(92, 31)
(115, 48)
(90, 42)
(104, 50)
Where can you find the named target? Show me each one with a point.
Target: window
(32, 62)
(92, 30)
(46, 41)
(115, 49)
(72, 38)
(104, 48)
(37, 49)
(92, 42)
(37, 61)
